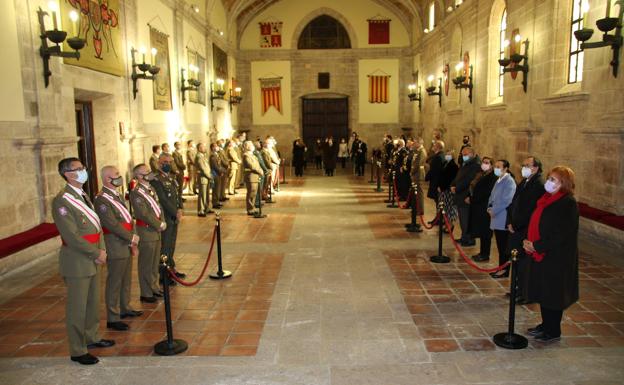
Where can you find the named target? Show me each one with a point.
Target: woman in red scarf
(552, 242)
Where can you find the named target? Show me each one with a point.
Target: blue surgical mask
(466, 158)
(82, 176)
(498, 172)
(166, 167)
(551, 187)
(448, 158)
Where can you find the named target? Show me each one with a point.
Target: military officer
(402, 172)
(153, 161)
(167, 190)
(218, 171)
(235, 162)
(121, 244)
(81, 254)
(204, 175)
(178, 160)
(417, 175)
(252, 174)
(191, 153)
(225, 163)
(240, 139)
(150, 224)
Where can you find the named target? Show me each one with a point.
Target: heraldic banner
(162, 81)
(270, 34)
(271, 89)
(378, 31)
(378, 88)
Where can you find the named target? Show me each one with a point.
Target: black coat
(554, 282)
(524, 201)
(465, 175)
(330, 153)
(298, 155)
(479, 225)
(447, 175)
(436, 163)
(359, 151)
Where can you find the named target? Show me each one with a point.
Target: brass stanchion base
(258, 215)
(440, 259)
(378, 189)
(510, 341)
(164, 349)
(413, 229)
(221, 275)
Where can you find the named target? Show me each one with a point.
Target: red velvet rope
(468, 260)
(201, 275)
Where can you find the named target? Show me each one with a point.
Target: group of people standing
(537, 218)
(326, 154)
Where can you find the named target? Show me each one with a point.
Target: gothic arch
(329, 12)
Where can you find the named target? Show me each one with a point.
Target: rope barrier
(201, 275)
(396, 196)
(466, 258)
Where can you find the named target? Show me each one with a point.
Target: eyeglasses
(77, 169)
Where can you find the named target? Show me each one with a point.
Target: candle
(142, 50)
(220, 83)
(608, 8)
(458, 69)
(506, 48)
(430, 80)
(73, 16)
(237, 91)
(154, 52)
(53, 7)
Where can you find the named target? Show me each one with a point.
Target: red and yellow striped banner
(271, 90)
(378, 88)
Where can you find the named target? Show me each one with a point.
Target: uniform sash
(121, 208)
(86, 210)
(152, 202)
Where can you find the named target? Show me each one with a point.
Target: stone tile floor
(350, 305)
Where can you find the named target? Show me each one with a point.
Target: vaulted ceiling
(243, 11)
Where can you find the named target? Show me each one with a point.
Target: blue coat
(500, 199)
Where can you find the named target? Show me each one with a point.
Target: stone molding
(565, 98)
(46, 142)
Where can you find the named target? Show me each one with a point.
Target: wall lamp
(431, 89)
(461, 81)
(144, 69)
(235, 97)
(57, 36)
(216, 93)
(415, 96)
(516, 59)
(193, 82)
(606, 25)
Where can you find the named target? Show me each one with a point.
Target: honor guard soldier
(121, 244)
(204, 175)
(252, 175)
(218, 172)
(402, 173)
(417, 175)
(80, 255)
(149, 224)
(167, 190)
(178, 160)
(191, 153)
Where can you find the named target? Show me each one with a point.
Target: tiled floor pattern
(215, 317)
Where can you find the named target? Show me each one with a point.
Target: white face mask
(526, 172)
(551, 186)
(82, 176)
(485, 166)
(448, 158)
(498, 172)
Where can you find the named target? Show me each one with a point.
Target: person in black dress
(330, 155)
(436, 162)
(447, 175)
(318, 154)
(299, 150)
(479, 224)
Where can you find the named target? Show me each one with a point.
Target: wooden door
(325, 117)
(86, 145)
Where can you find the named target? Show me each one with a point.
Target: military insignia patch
(138, 200)
(103, 208)
(63, 211)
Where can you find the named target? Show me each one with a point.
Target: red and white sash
(151, 201)
(86, 210)
(121, 208)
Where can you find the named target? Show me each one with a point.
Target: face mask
(551, 187)
(166, 167)
(498, 172)
(485, 166)
(448, 158)
(117, 181)
(147, 177)
(465, 141)
(466, 158)
(82, 176)
(526, 172)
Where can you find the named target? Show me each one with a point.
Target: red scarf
(533, 234)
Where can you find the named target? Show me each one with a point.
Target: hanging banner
(378, 31)
(162, 81)
(378, 88)
(220, 62)
(270, 34)
(271, 89)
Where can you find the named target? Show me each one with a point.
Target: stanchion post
(378, 167)
(413, 226)
(259, 214)
(440, 258)
(170, 346)
(284, 176)
(220, 273)
(511, 340)
(392, 182)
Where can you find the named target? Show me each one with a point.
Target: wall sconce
(216, 94)
(57, 36)
(606, 25)
(144, 68)
(516, 59)
(235, 97)
(413, 96)
(460, 79)
(193, 82)
(431, 89)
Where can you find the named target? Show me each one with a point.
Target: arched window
(575, 61)
(501, 49)
(324, 32)
(431, 23)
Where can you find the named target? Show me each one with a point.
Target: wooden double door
(325, 117)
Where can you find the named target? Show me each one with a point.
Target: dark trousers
(551, 321)
(343, 161)
(359, 168)
(329, 171)
(464, 217)
(485, 244)
(501, 244)
(168, 242)
(299, 170)
(318, 160)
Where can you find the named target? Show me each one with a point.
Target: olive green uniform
(235, 162)
(153, 162)
(178, 159)
(417, 175)
(225, 163)
(118, 230)
(149, 220)
(204, 174)
(78, 268)
(191, 153)
(219, 172)
(167, 190)
(252, 174)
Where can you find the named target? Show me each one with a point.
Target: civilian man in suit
(359, 150)
(121, 244)
(461, 188)
(82, 252)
